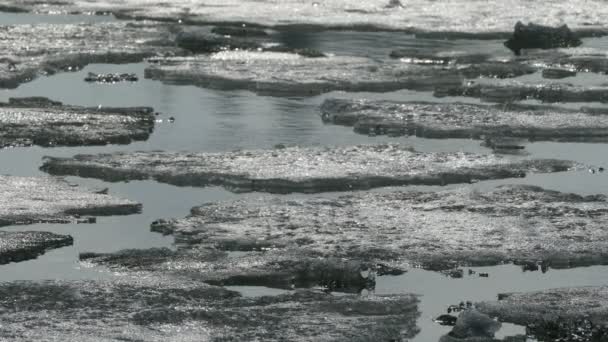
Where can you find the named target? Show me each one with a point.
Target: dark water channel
(207, 120)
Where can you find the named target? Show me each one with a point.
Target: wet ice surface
(27, 200)
(32, 50)
(19, 246)
(210, 120)
(31, 18)
(223, 121)
(446, 291)
(151, 309)
(453, 15)
(303, 169)
(434, 120)
(275, 73)
(38, 121)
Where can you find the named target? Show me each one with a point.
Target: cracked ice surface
(27, 200)
(438, 230)
(475, 16)
(302, 169)
(32, 50)
(273, 73)
(39, 121)
(459, 120)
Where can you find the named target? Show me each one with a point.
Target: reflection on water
(113, 233)
(378, 45)
(438, 291)
(207, 120)
(298, 39)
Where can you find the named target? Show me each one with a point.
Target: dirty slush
(288, 170)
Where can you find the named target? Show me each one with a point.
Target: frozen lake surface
(193, 119)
